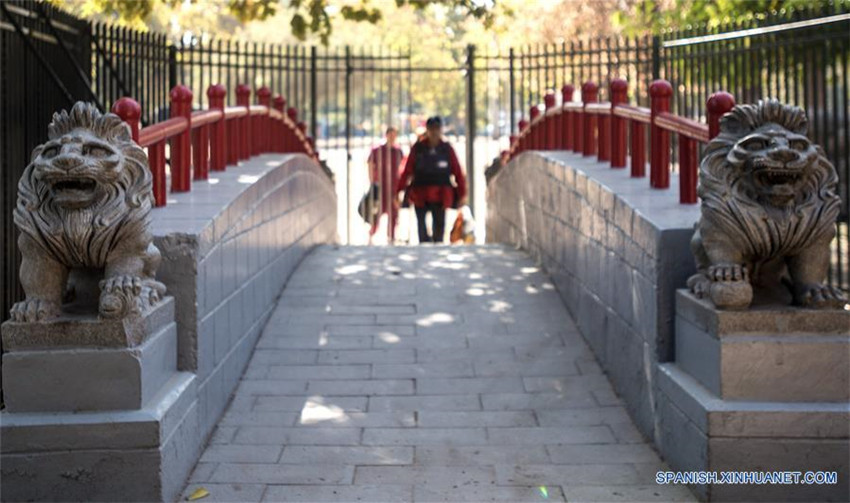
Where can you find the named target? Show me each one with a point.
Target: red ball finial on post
(718, 105)
(264, 96)
(279, 103)
(217, 93)
(292, 113)
(589, 92)
(243, 95)
(181, 101)
(567, 92)
(619, 91)
(130, 112)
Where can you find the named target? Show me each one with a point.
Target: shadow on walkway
(425, 374)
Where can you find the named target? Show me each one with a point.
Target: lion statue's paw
(32, 310)
(700, 285)
(122, 295)
(119, 296)
(819, 296)
(728, 286)
(728, 272)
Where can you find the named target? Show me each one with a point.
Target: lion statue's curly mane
(84, 202)
(769, 206)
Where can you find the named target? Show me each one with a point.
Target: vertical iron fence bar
(470, 127)
(288, 94)
(511, 90)
(314, 96)
(172, 65)
(347, 142)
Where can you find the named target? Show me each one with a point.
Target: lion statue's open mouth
(769, 206)
(73, 191)
(84, 202)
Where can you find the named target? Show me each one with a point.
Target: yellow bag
(456, 235)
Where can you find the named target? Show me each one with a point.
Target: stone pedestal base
(96, 410)
(759, 391)
(114, 365)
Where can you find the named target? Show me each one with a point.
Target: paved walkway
(425, 374)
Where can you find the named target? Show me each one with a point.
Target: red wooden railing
(600, 129)
(206, 140)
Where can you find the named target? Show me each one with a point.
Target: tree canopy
(642, 16)
(308, 17)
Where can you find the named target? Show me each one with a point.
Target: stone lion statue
(83, 210)
(769, 207)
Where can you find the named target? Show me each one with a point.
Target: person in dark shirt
(430, 168)
(384, 162)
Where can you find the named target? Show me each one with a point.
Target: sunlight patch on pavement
(247, 179)
(389, 337)
(499, 306)
(433, 319)
(351, 269)
(315, 411)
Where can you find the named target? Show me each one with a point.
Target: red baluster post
(513, 143)
(660, 93)
(523, 136)
(717, 106)
(687, 170)
(264, 97)
(130, 112)
(302, 126)
(637, 141)
(292, 144)
(201, 152)
(156, 161)
(549, 121)
(619, 96)
(243, 99)
(218, 137)
(278, 138)
(589, 94)
(565, 138)
(181, 145)
(534, 132)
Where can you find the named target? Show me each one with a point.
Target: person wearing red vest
(430, 168)
(384, 162)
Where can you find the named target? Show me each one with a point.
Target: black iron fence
(128, 62)
(45, 65)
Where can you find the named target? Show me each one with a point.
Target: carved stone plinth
(760, 390)
(96, 409)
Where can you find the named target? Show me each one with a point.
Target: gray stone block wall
(228, 248)
(617, 251)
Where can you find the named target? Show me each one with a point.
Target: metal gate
(348, 96)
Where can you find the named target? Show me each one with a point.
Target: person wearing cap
(384, 162)
(428, 173)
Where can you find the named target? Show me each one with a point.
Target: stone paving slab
(422, 375)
